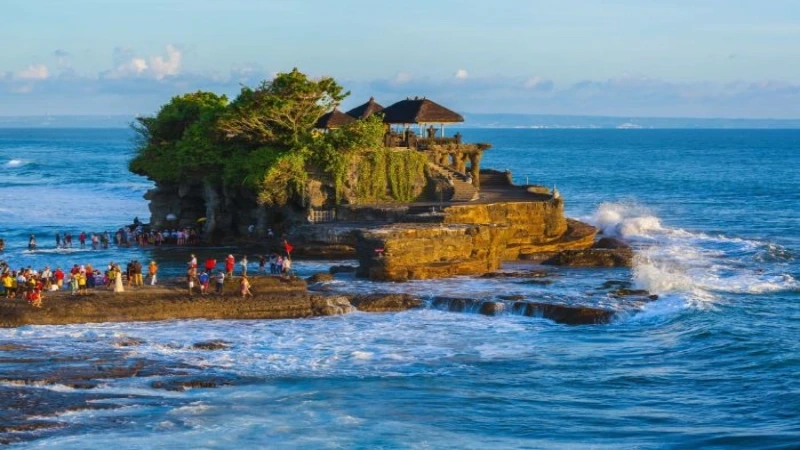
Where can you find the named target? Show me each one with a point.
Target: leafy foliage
(264, 141)
(284, 180)
(281, 111)
(179, 142)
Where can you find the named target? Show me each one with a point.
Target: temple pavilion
(419, 123)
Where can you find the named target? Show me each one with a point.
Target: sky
(644, 58)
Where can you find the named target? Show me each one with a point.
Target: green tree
(181, 141)
(281, 111)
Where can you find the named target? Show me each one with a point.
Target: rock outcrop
(607, 252)
(567, 315)
(385, 302)
(472, 240)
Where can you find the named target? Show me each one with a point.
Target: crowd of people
(31, 284)
(200, 279)
(123, 237)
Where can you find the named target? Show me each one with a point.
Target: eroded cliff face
(226, 213)
(474, 239)
(423, 251)
(530, 224)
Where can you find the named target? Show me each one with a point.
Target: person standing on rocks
(118, 286)
(137, 273)
(220, 278)
(244, 265)
(203, 279)
(191, 274)
(262, 264)
(230, 263)
(244, 286)
(152, 270)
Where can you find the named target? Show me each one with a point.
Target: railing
(411, 140)
(321, 215)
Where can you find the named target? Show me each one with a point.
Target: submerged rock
(321, 277)
(536, 282)
(610, 284)
(492, 308)
(610, 243)
(342, 269)
(592, 257)
(331, 306)
(569, 315)
(385, 302)
(526, 274)
(193, 383)
(455, 304)
(216, 344)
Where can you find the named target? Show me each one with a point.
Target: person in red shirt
(59, 275)
(230, 262)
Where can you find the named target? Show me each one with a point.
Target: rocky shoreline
(277, 298)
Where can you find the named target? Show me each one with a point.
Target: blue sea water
(713, 363)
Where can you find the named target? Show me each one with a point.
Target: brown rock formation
(568, 315)
(593, 257)
(274, 299)
(385, 302)
(472, 240)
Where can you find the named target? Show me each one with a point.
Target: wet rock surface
(342, 268)
(322, 277)
(35, 393)
(593, 257)
(563, 314)
(385, 302)
(211, 345)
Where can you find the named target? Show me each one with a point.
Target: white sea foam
(15, 163)
(698, 266)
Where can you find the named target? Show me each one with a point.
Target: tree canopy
(263, 140)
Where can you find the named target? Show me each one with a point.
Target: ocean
(713, 363)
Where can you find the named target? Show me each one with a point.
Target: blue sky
(701, 58)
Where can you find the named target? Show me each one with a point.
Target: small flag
(288, 247)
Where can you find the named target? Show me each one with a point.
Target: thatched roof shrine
(365, 110)
(333, 119)
(419, 110)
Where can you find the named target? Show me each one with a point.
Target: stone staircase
(462, 191)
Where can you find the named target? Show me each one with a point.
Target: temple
(419, 124)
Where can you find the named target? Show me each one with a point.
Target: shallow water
(712, 363)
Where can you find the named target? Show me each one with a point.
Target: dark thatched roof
(419, 110)
(365, 110)
(333, 119)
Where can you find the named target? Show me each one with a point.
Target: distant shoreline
(475, 120)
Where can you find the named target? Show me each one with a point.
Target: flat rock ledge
(274, 298)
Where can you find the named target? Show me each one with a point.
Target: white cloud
(159, 67)
(462, 74)
(537, 83)
(33, 72)
(402, 78)
(170, 65)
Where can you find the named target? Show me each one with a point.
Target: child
(203, 278)
(245, 287)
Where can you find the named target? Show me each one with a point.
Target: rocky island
(384, 186)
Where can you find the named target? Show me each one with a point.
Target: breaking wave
(697, 266)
